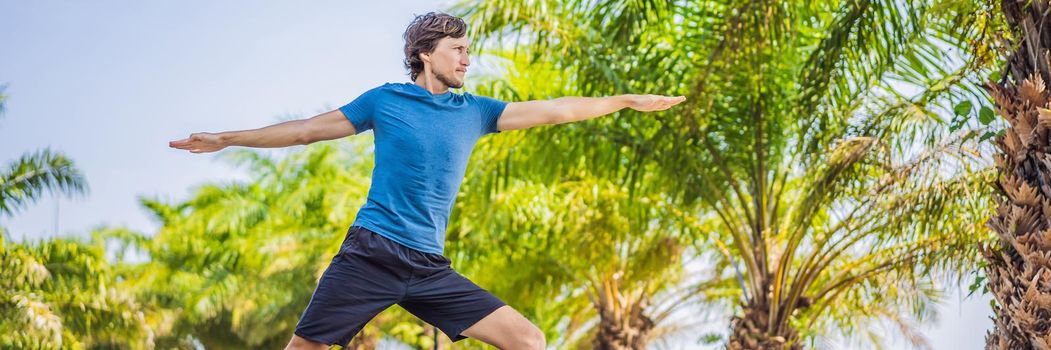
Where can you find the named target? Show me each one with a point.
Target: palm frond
(33, 174)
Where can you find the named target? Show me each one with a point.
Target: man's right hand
(201, 142)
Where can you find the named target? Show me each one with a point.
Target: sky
(109, 83)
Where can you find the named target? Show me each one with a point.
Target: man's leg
(300, 343)
(462, 309)
(507, 329)
(359, 283)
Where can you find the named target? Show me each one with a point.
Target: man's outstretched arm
(325, 126)
(526, 114)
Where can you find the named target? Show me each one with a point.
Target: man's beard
(448, 81)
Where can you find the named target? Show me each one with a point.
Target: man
(424, 135)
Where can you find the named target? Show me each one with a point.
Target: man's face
(449, 61)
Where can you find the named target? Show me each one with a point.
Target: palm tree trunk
(750, 331)
(622, 324)
(629, 331)
(1019, 266)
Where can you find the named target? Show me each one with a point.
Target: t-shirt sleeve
(491, 109)
(361, 110)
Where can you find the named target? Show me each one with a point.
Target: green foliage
(234, 265)
(59, 293)
(812, 168)
(236, 262)
(812, 144)
(62, 294)
(26, 179)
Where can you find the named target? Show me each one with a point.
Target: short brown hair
(423, 35)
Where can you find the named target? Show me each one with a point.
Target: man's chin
(451, 83)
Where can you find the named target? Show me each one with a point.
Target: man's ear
(426, 57)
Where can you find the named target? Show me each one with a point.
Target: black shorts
(370, 273)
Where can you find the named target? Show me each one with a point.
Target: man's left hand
(650, 103)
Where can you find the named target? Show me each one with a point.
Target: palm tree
(1016, 267)
(581, 250)
(608, 254)
(813, 136)
(58, 293)
(33, 174)
(26, 179)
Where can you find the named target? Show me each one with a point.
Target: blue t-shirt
(422, 144)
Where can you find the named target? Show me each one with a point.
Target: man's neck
(431, 84)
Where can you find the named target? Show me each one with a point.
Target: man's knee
(300, 343)
(532, 339)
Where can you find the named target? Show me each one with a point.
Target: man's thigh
(353, 289)
(449, 301)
